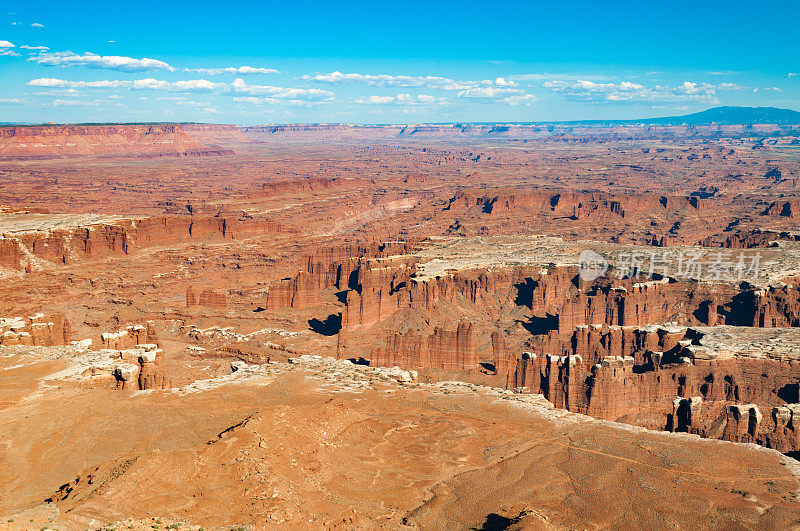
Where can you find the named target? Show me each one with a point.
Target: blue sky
(398, 62)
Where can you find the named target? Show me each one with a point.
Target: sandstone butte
(332, 326)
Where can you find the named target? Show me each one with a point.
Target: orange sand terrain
(330, 444)
(330, 326)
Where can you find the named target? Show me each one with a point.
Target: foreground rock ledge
(325, 443)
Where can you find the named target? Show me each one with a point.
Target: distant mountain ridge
(725, 115)
(731, 116)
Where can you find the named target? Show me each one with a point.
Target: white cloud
(37, 25)
(460, 85)
(487, 89)
(75, 103)
(250, 99)
(378, 79)
(627, 85)
(10, 100)
(376, 100)
(9, 52)
(503, 82)
(51, 82)
(688, 87)
(276, 101)
(191, 85)
(484, 92)
(92, 60)
(773, 89)
(591, 86)
(549, 77)
(238, 86)
(26, 47)
(61, 92)
(497, 93)
(180, 100)
(6, 44)
(232, 70)
(196, 85)
(401, 99)
(519, 99)
(628, 92)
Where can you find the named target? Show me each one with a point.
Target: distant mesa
(35, 142)
(149, 140)
(718, 122)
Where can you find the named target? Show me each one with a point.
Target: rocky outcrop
(787, 209)
(380, 288)
(444, 349)
(338, 266)
(559, 292)
(37, 330)
(737, 423)
(630, 303)
(302, 291)
(776, 306)
(10, 254)
(649, 302)
(207, 298)
(279, 188)
(751, 239)
(500, 355)
(152, 372)
(371, 274)
(379, 292)
(129, 337)
(138, 368)
(784, 435)
(385, 286)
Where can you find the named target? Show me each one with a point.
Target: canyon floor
(326, 443)
(396, 327)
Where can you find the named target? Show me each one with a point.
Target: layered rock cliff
(587, 346)
(444, 349)
(663, 377)
(568, 202)
(551, 132)
(207, 298)
(121, 140)
(120, 237)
